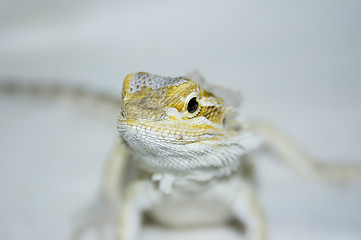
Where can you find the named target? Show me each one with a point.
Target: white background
(297, 64)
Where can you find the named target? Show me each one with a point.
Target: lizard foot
(95, 222)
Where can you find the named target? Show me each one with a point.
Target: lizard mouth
(160, 145)
(165, 131)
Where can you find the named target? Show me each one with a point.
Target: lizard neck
(191, 181)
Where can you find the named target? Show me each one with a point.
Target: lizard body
(190, 154)
(182, 156)
(191, 157)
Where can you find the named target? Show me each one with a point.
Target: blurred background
(297, 64)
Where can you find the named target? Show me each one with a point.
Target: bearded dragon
(182, 158)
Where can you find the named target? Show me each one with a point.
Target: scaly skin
(182, 156)
(191, 151)
(166, 136)
(186, 158)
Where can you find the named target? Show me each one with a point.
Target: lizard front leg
(114, 174)
(135, 202)
(247, 209)
(101, 212)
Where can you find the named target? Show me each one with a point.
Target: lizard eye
(192, 105)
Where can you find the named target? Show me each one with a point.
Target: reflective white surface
(296, 63)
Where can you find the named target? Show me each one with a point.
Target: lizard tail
(299, 161)
(87, 100)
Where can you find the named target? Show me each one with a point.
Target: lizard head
(173, 124)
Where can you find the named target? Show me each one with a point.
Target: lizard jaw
(162, 150)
